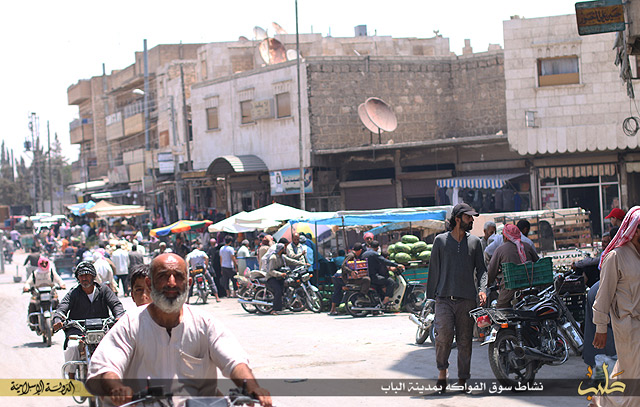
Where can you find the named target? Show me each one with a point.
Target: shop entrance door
(586, 198)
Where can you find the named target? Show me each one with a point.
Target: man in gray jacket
(455, 257)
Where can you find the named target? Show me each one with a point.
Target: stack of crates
(517, 276)
(573, 293)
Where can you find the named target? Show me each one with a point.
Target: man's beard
(168, 305)
(466, 226)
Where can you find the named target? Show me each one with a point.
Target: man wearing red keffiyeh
(618, 301)
(512, 250)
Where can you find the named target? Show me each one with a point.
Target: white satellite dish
(278, 28)
(378, 117)
(259, 33)
(292, 55)
(272, 51)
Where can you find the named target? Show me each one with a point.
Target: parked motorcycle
(92, 332)
(247, 288)
(298, 293)
(44, 311)
(408, 295)
(538, 331)
(8, 255)
(200, 284)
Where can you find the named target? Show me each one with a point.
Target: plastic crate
(529, 274)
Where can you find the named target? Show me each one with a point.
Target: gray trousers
(452, 317)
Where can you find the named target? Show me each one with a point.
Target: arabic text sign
(42, 387)
(602, 16)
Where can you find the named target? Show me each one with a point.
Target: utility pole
(32, 125)
(300, 149)
(186, 127)
(50, 173)
(176, 162)
(147, 141)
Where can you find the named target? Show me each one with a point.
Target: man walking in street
(455, 258)
(228, 265)
(618, 302)
(121, 260)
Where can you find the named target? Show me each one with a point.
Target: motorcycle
(408, 295)
(200, 283)
(247, 288)
(44, 312)
(8, 256)
(92, 332)
(538, 331)
(298, 293)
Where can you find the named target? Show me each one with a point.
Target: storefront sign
(601, 16)
(287, 182)
(165, 163)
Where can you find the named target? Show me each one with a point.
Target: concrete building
(112, 135)
(565, 106)
(451, 124)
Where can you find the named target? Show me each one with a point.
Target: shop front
(595, 188)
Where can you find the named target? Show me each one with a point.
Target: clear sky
(50, 45)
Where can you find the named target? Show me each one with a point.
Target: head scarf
(512, 234)
(41, 261)
(625, 233)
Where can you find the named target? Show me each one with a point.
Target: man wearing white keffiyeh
(618, 301)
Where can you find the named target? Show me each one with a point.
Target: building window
(558, 71)
(283, 102)
(212, 118)
(245, 112)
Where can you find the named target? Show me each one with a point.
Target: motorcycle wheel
(247, 294)
(416, 299)
(314, 303)
(357, 300)
(264, 294)
(296, 301)
(46, 335)
(508, 369)
(422, 333)
(81, 376)
(204, 295)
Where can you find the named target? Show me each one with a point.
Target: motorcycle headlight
(45, 297)
(94, 338)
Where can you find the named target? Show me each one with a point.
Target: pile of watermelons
(410, 249)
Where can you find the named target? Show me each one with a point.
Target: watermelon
(419, 247)
(429, 247)
(410, 239)
(392, 256)
(402, 258)
(391, 249)
(402, 248)
(425, 255)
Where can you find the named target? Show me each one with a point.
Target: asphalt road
(296, 347)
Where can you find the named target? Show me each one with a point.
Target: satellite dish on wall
(292, 55)
(272, 51)
(364, 118)
(243, 38)
(259, 33)
(381, 114)
(278, 28)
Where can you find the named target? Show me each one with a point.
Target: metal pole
(186, 129)
(50, 172)
(32, 125)
(147, 141)
(302, 193)
(176, 161)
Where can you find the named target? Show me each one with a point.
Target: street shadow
(31, 345)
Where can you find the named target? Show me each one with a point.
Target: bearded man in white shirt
(169, 340)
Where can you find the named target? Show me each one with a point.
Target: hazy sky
(49, 45)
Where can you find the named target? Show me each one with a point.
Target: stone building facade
(565, 107)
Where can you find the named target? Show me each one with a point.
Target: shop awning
(85, 186)
(110, 194)
(576, 171)
(231, 164)
(480, 182)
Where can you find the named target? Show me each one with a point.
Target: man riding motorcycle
(44, 276)
(379, 273)
(85, 301)
(198, 258)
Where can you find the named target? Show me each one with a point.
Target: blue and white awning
(479, 182)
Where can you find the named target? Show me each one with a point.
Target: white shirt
(497, 241)
(137, 348)
(121, 259)
(243, 251)
(104, 272)
(196, 258)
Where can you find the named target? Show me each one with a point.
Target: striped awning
(578, 171)
(479, 182)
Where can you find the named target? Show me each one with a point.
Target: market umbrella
(324, 232)
(180, 226)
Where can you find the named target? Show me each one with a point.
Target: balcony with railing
(80, 131)
(133, 114)
(80, 92)
(115, 126)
